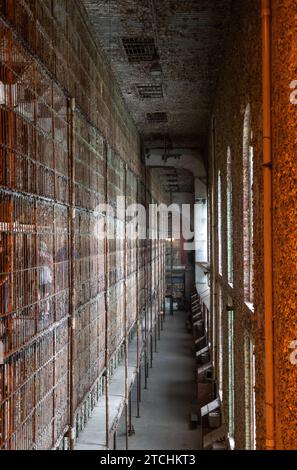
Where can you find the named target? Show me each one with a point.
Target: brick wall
(239, 85)
(284, 115)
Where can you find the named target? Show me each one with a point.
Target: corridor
(148, 165)
(166, 404)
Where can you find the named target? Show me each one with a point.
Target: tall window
(220, 223)
(229, 217)
(248, 213)
(231, 373)
(250, 399)
(220, 342)
(201, 227)
(214, 340)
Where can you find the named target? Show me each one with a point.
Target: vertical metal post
(159, 326)
(146, 292)
(138, 385)
(130, 413)
(138, 320)
(145, 370)
(150, 292)
(106, 278)
(126, 426)
(125, 316)
(151, 347)
(171, 261)
(9, 217)
(71, 269)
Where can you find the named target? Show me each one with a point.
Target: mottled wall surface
(284, 71)
(240, 85)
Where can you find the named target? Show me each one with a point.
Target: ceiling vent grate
(157, 136)
(157, 117)
(150, 91)
(140, 49)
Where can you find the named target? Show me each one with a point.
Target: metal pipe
(267, 204)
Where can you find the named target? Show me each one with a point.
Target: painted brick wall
(240, 85)
(284, 115)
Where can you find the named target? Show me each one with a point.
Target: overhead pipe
(267, 181)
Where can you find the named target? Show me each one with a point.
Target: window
(201, 227)
(220, 342)
(220, 223)
(231, 373)
(250, 401)
(248, 214)
(229, 217)
(214, 330)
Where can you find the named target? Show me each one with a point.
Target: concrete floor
(165, 406)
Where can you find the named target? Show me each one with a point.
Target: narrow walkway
(165, 406)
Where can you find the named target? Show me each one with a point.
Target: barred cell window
(220, 254)
(220, 306)
(250, 394)
(229, 217)
(248, 212)
(231, 373)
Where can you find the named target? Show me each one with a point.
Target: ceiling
(165, 56)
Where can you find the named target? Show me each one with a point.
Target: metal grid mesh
(157, 117)
(150, 91)
(140, 49)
